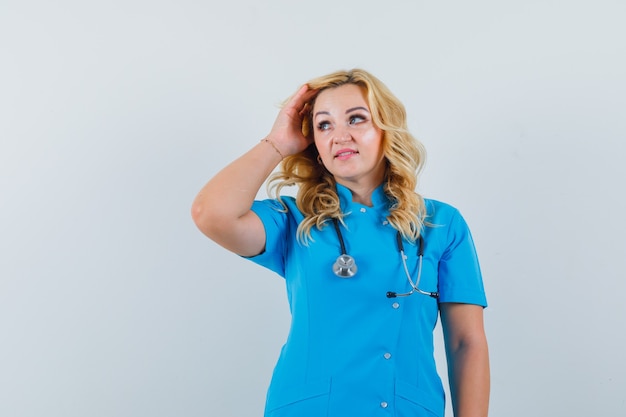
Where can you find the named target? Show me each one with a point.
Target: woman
(361, 339)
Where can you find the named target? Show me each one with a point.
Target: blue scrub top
(351, 351)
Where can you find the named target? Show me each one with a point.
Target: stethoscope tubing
(345, 266)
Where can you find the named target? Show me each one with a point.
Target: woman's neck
(362, 194)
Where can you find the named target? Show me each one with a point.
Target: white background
(114, 114)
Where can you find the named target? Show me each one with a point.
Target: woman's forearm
(229, 195)
(468, 366)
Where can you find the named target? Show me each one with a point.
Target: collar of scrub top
(380, 201)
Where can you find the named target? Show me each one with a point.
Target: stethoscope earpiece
(344, 266)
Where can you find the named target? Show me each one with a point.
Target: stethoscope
(345, 265)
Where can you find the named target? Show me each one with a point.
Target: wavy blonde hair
(317, 197)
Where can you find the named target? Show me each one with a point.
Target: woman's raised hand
(286, 134)
(221, 209)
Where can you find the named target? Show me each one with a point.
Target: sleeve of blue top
(460, 278)
(275, 221)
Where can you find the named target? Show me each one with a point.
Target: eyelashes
(353, 119)
(323, 126)
(357, 118)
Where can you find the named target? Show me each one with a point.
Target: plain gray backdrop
(114, 114)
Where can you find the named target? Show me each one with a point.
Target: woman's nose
(342, 136)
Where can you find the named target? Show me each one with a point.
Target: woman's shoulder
(444, 222)
(440, 209)
(443, 215)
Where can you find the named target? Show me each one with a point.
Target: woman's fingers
(301, 98)
(287, 130)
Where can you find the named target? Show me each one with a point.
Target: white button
(384, 404)
(387, 355)
(385, 223)
(363, 210)
(395, 305)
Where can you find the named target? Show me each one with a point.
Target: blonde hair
(317, 198)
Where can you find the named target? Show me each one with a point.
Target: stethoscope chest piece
(344, 266)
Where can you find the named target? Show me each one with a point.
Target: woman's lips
(345, 154)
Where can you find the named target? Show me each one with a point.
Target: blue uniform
(351, 351)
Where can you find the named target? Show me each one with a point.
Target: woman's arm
(468, 358)
(221, 210)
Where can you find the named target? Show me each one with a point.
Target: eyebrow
(356, 108)
(350, 110)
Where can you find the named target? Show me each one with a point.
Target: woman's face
(347, 140)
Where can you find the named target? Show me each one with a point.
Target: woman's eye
(323, 125)
(356, 119)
